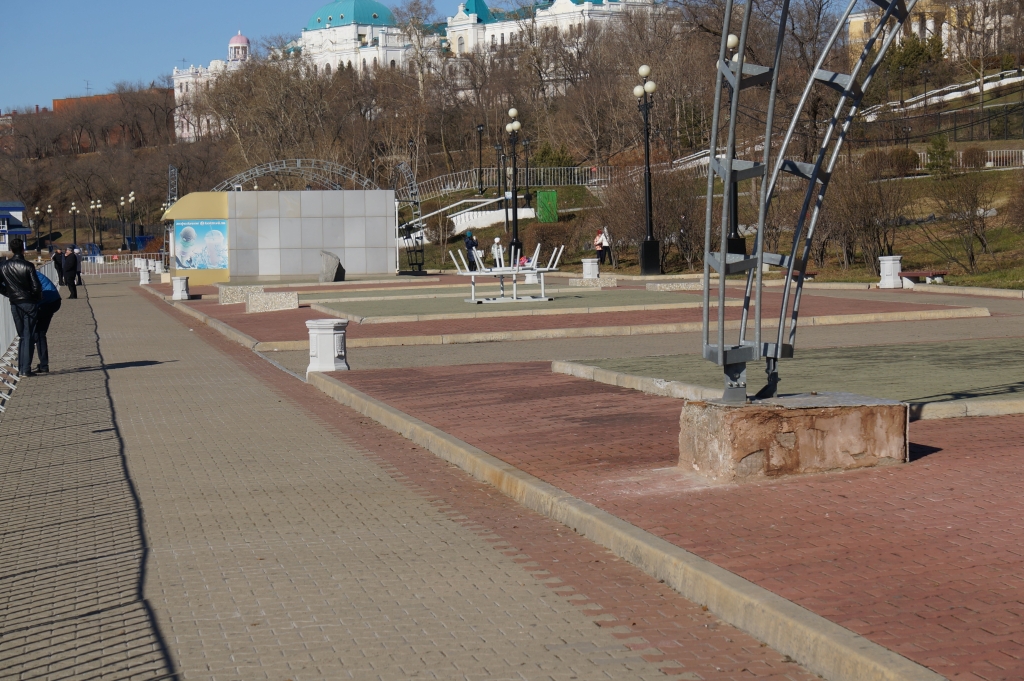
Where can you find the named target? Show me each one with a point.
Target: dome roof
(480, 9)
(238, 40)
(346, 12)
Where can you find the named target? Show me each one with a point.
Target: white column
(889, 268)
(143, 277)
(179, 288)
(327, 351)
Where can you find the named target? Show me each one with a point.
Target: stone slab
(270, 302)
(676, 286)
(806, 433)
(593, 283)
(229, 295)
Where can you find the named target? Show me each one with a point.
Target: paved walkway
(288, 538)
(924, 559)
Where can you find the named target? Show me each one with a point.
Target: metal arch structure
(736, 75)
(407, 192)
(323, 174)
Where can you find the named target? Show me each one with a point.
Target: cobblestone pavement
(72, 553)
(290, 538)
(923, 558)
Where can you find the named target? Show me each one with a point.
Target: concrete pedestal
(889, 268)
(591, 268)
(159, 267)
(327, 351)
(790, 435)
(143, 277)
(179, 290)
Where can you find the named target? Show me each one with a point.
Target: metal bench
(501, 270)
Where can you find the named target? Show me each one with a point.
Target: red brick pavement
(290, 324)
(925, 559)
(683, 636)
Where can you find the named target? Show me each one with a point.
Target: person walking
(69, 265)
(19, 283)
(48, 306)
(471, 246)
(58, 264)
(78, 266)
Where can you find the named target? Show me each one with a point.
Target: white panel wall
(281, 234)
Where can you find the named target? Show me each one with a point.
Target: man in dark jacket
(471, 246)
(58, 264)
(19, 283)
(70, 267)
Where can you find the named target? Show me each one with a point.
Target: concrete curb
(822, 646)
(400, 319)
(919, 411)
(647, 329)
(969, 291)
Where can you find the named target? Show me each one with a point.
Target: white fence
(997, 158)
(121, 263)
(536, 177)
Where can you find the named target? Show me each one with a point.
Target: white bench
(501, 270)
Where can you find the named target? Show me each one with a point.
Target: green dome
(346, 12)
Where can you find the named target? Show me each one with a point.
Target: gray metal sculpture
(322, 174)
(736, 75)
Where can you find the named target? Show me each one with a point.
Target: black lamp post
(134, 245)
(122, 214)
(901, 86)
(906, 136)
(480, 158)
(526, 156)
(37, 213)
(650, 259)
(512, 128)
(925, 73)
(73, 212)
(49, 221)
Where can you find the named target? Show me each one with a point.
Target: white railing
(999, 158)
(536, 177)
(120, 263)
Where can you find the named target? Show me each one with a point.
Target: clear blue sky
(51, 48)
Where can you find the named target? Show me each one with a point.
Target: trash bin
(590, 270)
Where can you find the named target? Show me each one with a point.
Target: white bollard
(889, 268)
(151, 265)
(160, 267)
(590, 268)
(179, 288)
(327, 351)
(137, 263)
(143, 277)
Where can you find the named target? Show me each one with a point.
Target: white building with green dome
(357, 34)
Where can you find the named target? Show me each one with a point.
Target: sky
(52, 48)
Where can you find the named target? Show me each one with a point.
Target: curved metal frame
(323, 173)
(736, 75)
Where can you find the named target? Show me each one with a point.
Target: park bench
(929, 276)
(501, 270)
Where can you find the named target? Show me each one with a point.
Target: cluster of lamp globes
(515, 125)
(648, 86)
(732, 42)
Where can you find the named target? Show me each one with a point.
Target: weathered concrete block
(331, 268)
(606, 282)
(327, 351)
(228, 295)
(676, 286)
(179, 288)
(789, 435)
(269, 302)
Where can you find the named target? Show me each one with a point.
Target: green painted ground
(583, 298)
(923, 372)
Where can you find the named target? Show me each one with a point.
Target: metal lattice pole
(734, 75)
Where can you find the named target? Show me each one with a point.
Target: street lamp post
(121, 213)
(906, 136)
(480, 158)
(526, 156)
(49, 221)
(512, 128)
(131, 209)
(37, 213)
(902, 104)
(99, 223)
(73, 212)
(650, 260)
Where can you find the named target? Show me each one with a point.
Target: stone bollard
(327, 350)
(889, 268)
(138, 263)
(160, 267)
(591, 268)
(179, 290)
(143, 277)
